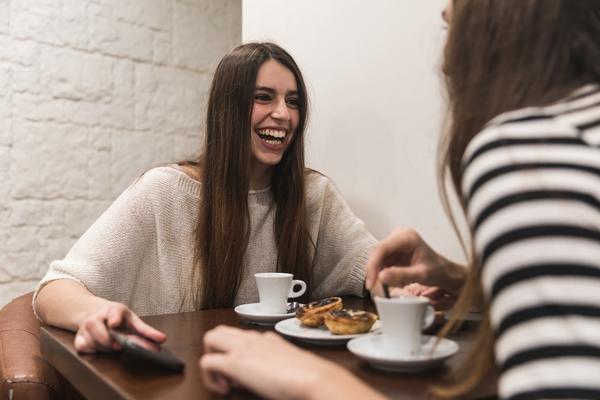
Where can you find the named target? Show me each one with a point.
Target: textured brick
(121, 39)
(44, 8)
(82, 112)
(76, 75)
(30, 213)
(152, 13)
(5, 121)
(135, 152)
(209, 23)
(24, 52)
(50, 160)
(188, 147)
(5, 79)
(121, 111)
(162, 48)
(36, 107)
(168, 100)
(26, 79)
(15, 289)
(92, 94)
(27, 25)
(22, 239)
(4, 159)
(4, 14)
(99, 182)
(99, 9)
(74, 10)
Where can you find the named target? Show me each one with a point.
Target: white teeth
(279, 134)
(273, 141)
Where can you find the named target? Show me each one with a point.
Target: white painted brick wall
(92, 93)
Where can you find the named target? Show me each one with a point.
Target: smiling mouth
(272, 136)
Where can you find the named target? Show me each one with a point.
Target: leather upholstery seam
(26, 381)
(19, 330)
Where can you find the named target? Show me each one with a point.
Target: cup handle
(299, 292)
(429, 317)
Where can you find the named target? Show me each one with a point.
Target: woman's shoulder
(562, 122)
(167, 179)
(321, 189)
(316, 181)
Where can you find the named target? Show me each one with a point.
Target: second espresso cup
(403, 318)
(274, 288)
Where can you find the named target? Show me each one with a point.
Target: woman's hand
(271, 367)
(93, 334)
(403, 258)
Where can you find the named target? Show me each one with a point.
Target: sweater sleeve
(532, 197)
(110, 256)
(343, 243)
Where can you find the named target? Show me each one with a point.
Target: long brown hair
(223, 227)
(502, 55)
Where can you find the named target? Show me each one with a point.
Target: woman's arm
(87, 291)
(343, 243)
(67, 304)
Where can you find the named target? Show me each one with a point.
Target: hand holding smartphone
(147, 350)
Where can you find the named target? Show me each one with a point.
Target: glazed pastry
(313, 313)
(349, 322)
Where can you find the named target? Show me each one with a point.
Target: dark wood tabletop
(110, 376)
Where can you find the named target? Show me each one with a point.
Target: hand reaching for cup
(404, 260)
(93, 334)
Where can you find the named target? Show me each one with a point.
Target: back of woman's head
(503, 55)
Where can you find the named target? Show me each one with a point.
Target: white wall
(92, 93)
(377, 109)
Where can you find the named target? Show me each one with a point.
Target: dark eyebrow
(270, 90)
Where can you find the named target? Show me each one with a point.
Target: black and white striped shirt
(532, 183)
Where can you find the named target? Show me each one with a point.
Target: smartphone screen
(146, 349)
(128, 338)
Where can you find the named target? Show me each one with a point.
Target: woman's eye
(293, 102)
(262, 97)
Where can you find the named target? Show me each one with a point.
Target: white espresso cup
(274, 288)
(403, 318)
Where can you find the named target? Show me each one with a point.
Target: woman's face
(274, 113)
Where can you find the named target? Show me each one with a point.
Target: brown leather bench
(24, 373)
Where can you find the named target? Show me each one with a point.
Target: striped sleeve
(532, 184)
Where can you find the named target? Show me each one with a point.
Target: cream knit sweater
(140, 251)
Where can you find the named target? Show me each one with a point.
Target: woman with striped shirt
(523, 153)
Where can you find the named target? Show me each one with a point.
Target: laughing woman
(192, 236)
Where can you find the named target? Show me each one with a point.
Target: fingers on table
(145, 329)
(212, 366)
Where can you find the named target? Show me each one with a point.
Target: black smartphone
(147, 350)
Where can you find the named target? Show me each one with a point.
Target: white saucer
(320, 336)
(369, 348)
(251, 312)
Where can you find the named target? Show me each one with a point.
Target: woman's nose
(281, 110)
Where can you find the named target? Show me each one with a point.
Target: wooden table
(104, 376)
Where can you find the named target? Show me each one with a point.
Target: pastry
(349, 322)
(313, 313)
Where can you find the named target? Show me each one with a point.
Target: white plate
(251, 312)
(321, 335)
(369, 348)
